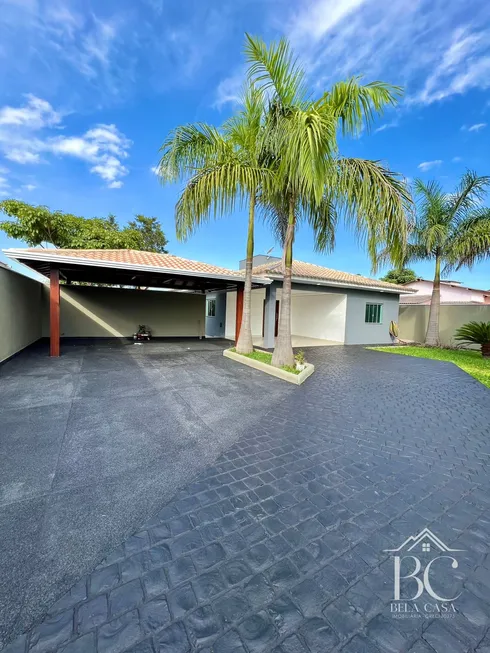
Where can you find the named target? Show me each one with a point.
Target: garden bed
(470, 361)
(261, 360)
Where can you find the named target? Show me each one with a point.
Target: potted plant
(300, 360)
(476, 333)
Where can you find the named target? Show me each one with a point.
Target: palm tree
(312, 182)
(451, 229)
(226, 168)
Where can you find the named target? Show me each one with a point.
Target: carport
(128, 269)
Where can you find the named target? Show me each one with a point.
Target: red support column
(54, 312)
(239, 311)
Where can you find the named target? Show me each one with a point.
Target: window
(211, 308)
(374, 313)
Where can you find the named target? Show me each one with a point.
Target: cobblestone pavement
(279, 545)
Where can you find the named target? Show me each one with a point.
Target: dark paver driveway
(279, 544)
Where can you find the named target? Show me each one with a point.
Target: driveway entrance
(277, 544)
(94, 442)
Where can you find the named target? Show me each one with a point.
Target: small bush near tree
(477, 333)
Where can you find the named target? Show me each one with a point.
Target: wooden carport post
(54, 312)
(239, 311)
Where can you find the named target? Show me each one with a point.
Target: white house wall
(314, 314)
(318, 315)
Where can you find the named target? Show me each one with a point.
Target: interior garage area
(317, 318)
(101, 312)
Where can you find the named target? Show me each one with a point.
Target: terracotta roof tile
(311, 271)
(136, 257)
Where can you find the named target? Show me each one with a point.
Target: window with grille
(374, 313)
(211, 306)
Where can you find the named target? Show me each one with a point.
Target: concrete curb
(297, 379)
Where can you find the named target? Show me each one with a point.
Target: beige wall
(413, 321)
(20, 312)
(91, 311)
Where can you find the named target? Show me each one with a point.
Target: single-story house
(328, 306)
(177, 297)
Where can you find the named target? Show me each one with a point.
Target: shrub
(476, 333)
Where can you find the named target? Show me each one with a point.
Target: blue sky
(89, 90)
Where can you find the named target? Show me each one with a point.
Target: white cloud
(385, 126)
(26, 137)
(317, 18)
(456, 159)
(29, 187)
(412, 43)
(154, 170)
(35, 114)
(104, 146)
(58, 39)
(477, 127)
(21, 156)
(229, 89)
(428, 165)
(463, 65)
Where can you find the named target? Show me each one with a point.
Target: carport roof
(309, 272)
(131, 267)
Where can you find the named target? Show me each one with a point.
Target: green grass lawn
(265, 357)
(469, 361)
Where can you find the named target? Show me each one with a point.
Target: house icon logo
(424, 542)
(421, 565)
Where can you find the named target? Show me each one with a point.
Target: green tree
(312, 181)
(451, 229)
(400, 276)
(38, 225)
(223, 168)
(150, 234)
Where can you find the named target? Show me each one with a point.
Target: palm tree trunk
(283, 351)
(432, 335)
(245, 344)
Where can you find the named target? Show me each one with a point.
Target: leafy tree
(400, 276)
(36, 225)
(451, 229)
(150, 234)
(226, 167)
(313, 182)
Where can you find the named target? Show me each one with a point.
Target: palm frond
(214, 191)
(323, 219)
(469, 195)
(305, 145)
(275, 70)
(187, 148)
(357, 105)
(273, 207)
(470, 242)
(243, 128)
(374, 201)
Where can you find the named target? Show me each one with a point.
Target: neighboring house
(328, 306)
(452, 292)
